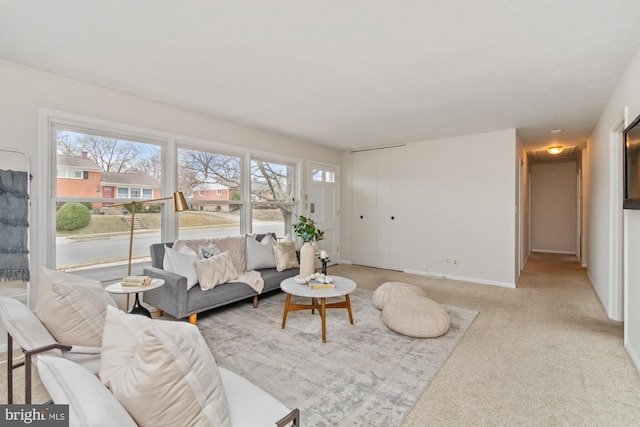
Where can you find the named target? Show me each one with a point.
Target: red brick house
(82, 177)
(211, 192)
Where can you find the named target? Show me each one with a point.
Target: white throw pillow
(72, 308)
(90, 402)
(120, 338)
(260, 254)
(172, 378)
(182, 263)
(215, 270)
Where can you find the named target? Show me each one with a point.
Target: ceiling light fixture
(556, 149)
(555, 131)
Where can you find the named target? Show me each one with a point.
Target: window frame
(169, 142)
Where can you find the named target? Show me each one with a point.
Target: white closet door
(400, 211)
(364, 221)
(383, 208)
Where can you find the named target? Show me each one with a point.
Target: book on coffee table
(321, 286)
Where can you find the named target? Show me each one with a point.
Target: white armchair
(24, 327)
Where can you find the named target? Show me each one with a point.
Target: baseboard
(634, 356)
(544, 251)
(462, 278)
(343, 261)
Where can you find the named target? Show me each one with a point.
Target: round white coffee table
(117, 288)
(342, 287)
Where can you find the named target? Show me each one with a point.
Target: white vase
(307, 260)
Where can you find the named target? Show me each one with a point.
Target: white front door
(324, 205)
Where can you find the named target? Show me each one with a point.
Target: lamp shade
(556, 149)
(179, 202)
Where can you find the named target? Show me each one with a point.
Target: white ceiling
(347, 74)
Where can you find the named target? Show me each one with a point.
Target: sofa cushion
(72, 308)
(260, 253)
(215, 270)
(90, 402)
(250, 405)
(182, 262)
(170, 362)
(25, 328)
(285, 254)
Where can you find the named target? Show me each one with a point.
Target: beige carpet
(544, 354)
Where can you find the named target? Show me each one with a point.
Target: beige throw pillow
(167, 376)
(285, 254)
(72, 308)
(215, 270)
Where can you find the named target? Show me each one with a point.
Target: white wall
(627, 93)
(462, 196)
(522, 236)
(553, 207)
(24, 90)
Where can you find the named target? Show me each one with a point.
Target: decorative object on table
(179, 204)
(324, 260)
(306, 229)
(315, 281)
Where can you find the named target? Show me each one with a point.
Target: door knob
(393, 217)
(361, 216)
(312, 208)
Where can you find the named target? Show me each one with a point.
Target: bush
(72, 216)
(89, 205)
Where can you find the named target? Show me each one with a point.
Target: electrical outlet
(455, 262)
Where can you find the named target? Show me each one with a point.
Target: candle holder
(324, 262)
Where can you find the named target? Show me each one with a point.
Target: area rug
(365, 374)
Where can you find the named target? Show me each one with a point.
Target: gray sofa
(174, 299)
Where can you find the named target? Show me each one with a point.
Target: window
(111, 165)
(202, 172)
(323, 176)
(98, 162)
(272, 196)
(66, 173)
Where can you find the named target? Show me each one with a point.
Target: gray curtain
(14, 222)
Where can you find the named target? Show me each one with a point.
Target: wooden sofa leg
(193, 318)
(255, 301)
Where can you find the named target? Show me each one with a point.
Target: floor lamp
(179, 204)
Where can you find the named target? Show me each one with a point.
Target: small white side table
(117, 288)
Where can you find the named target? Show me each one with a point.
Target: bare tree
(198, 167)
(112, 155)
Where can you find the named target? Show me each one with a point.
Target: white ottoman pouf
(417, 317)
(393, 290)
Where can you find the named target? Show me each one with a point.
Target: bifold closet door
(364, 198)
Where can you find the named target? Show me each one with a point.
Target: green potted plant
(306, 229)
